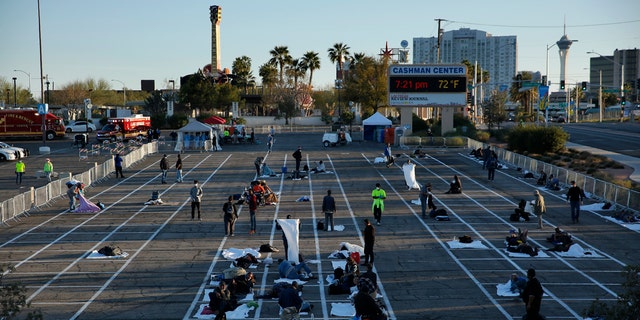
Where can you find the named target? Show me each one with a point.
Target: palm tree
(296, 69)
(337, 54)
(311, 62)
(357, 57)
(280, 57)
(269, 74)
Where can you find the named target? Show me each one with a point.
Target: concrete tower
(563, 49)
(215, 13)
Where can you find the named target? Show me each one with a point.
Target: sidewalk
(624, 159)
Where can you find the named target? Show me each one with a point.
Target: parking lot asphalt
(171, 258)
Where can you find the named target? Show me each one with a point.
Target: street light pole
(28, 77)
(15, 95)
(124, 93)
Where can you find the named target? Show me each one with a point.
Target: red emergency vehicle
(125, 128)
(27, 123)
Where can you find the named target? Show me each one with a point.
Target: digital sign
(427, 85)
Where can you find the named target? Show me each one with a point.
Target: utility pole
(439, 38)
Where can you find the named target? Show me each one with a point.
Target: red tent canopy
(214, 120)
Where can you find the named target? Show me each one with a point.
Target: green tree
(295, 70)
(280, 57)
(525, 96)
(494, 109)
(198, 91)
(338, 53)
(311, 61)
(241, 68)
(13, 298)
(269, 74)
(367, 84)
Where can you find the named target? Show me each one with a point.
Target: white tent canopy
(197, 136)
(377, 119)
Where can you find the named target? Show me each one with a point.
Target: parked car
(80, 126)
(17, 151)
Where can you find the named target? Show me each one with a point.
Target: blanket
(541, 254)
(504, 290)
(476, 244)
(578, 251)
(234, 253)
(380, 160)
(241, 312)
(409, 170)
(343, 310)
(630, 226)
(289, 281)
(95, 255)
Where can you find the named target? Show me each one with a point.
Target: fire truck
(125, 128)
(27, 123)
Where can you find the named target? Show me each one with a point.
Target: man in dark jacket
(369, 239)
(532, 296)
(290, 302)
(298, 156)
(329, 208)
(164, 166)
(575, 196)
(230, 216)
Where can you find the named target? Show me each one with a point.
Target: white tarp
(409, 170)
(291, 230)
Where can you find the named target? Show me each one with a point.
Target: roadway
(171, 258)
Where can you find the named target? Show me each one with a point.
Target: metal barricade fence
(600, 189)
(38, 197)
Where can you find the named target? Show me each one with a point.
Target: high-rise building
(495, 54)
(611, 69)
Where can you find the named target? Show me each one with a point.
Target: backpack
(514, 217)
(465, 239)
(320, 225)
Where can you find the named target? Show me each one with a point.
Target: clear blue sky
(163, 40)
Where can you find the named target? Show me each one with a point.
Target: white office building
(498, 55)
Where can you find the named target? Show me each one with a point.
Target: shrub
(455, 141)
(482, 136)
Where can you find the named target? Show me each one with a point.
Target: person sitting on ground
(220, 300)
(516, 238)
(368, 281)
(520, 210)
(367, 307)
(350, 270)
(242, 285)
(290, 302)
(560, 236)
(542, 181)
(553, 183)
(456, 186)
(319, 167)
(298, 271)
(517, 283)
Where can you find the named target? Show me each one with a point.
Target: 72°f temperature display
(427, 84)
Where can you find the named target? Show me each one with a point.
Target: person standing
(72, 193)
(378, 195)
(258, 165)
(329, 208)
(538, 207)
(486, 154)
(575, 196)
(388, 156)
(164, 166)
(298, 156)
(230, 216)
(269, 143)
(117, 159)
(253, 207)
(369, 239)
(424, 197)
(48, 169)
(179, 169)
(532, 296)
(20, 167)
(196, 198)
(492, 165)
(272, 131)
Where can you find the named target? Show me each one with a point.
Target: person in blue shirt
(118, 163)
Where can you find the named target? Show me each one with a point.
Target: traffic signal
(638, 83)
(561, 84)
(544, 80)
(519, 81)
(623, 101)
(584, 86)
